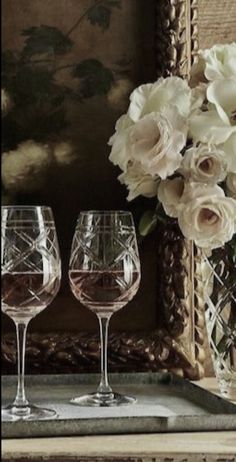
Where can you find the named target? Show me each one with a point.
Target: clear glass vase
(220, 296)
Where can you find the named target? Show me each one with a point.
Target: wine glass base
(12, 413)
(103, 400)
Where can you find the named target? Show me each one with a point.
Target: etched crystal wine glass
(31, 273)
(104, 275)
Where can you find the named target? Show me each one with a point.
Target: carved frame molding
(176, 36)
(177, 344)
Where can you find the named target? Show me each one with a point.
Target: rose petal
(208, 127)
(230, 152)
(204, 163)
(138, 99)
(222, 93)
(154, 97)
(169, 194)
(138, 182)
(220, 61)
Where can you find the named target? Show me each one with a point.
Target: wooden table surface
(161, 447)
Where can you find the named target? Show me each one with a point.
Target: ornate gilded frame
(177, 344)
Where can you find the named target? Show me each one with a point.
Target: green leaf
(10, 60)
(96, 78)
(31, 84)
(113, 3)
(45, 39)
(42, 99)
(232, 248)
(101, 16)
(40, 122)
(147, 223)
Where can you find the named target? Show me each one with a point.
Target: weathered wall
(217, 22)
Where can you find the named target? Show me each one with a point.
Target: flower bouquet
(177, 143)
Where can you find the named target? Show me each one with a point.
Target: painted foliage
(68, 68)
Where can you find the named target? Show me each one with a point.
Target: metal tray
(165, 403)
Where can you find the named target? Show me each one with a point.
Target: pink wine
(104, 291)
(24, 295)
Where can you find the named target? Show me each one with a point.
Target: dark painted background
(125, 44)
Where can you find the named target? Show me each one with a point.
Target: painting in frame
(68, 70)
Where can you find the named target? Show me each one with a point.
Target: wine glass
(31, 273)
(104, 276)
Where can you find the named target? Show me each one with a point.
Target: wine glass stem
(21, 328)
(104, 386)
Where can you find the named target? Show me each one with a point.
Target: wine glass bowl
(31, 273)
(104, 276)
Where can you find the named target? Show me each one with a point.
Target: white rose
(169, 194)
(192, 190)
(176, 193)
(138, 182)
(220, 61)
(156, 141)
(204, 163)
(231, 185)
(119, 154)
(6, 102)
(24, 169)
(229, 148)
(153, 97)
(222, 94)
(208, 219)
(64, 153)
(208, 127)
